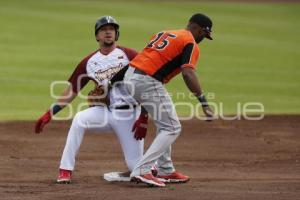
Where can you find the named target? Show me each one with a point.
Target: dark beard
(106, 44)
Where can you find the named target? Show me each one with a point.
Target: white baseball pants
(101, 119)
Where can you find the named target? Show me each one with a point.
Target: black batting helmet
(105, 20)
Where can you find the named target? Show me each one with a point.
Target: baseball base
(116, 177)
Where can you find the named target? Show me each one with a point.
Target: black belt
(138, 71)
(125, 107)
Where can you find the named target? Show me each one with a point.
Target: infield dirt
(225, 160)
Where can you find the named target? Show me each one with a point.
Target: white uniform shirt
(101, 68)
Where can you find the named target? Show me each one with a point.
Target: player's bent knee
(177, 129)
(177, 132)
(173, 130)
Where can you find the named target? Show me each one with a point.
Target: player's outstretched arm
(66, 97)
(191, 80)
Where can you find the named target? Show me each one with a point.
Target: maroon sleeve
(79, 78)
(130, 53)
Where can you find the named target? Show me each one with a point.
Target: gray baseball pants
(155, 99)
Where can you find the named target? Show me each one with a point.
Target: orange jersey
(167, 53)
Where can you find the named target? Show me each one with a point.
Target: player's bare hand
(209, 113)
(42, 121)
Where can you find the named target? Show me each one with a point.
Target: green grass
(254, 56)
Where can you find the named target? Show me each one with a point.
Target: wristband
(144, 111)
(203, 100)
(55, 109)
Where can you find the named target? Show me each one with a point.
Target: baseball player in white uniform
(120, 116)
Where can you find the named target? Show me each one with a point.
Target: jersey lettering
(161, 40)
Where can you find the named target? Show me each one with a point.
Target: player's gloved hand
(140, 127)
(42, 121)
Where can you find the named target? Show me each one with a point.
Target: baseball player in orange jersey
(168, 53)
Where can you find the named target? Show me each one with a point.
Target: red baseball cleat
(149, 179)
(64, 176)
(175, 177)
